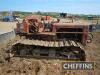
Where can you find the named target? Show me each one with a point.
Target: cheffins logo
(78, 65)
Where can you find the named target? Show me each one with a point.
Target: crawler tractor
(51, 39)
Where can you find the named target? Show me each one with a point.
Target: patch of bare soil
(32, 66)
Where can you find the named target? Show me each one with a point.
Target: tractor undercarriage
(48, 47)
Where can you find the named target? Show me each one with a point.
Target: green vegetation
(53, 14)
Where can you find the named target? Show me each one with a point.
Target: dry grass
(7, 26)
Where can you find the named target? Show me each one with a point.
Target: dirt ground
(7, 26)
(33, 66)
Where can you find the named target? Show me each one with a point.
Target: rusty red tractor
(46, 38)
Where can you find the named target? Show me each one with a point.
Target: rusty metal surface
(69, 50)
(51, 43)
(71, 24)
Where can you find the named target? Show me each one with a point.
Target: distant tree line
(53, 14)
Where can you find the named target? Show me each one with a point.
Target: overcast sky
(69, 6)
